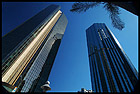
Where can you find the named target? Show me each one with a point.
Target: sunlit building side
(28, 51)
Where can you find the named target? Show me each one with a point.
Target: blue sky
(70, 71)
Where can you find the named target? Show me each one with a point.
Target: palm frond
(110, 7)
(83, 7)
(114, 15)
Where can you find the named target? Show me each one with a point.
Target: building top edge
(93, 25)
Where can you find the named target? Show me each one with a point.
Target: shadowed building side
(14, 38)
(24, 61)
(110, 68)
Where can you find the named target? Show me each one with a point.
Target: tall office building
(110, 68)
(28, 51)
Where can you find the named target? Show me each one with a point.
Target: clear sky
(70, 71)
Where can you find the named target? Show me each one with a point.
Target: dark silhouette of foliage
(111, 8)
(80, 7)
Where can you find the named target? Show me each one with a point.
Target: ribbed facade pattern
(110, 68)
(23, 65)
(37, 66)
(15, 42)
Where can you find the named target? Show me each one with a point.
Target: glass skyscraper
(110, 68)
(28, 51)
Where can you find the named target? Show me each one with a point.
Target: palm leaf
(83, 7)
(114, 15)
(110, 7)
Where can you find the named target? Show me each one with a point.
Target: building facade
(28, 51)
(110, 68)
(83, 90)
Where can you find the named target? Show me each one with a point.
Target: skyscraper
(110, 68)
(28, 51)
